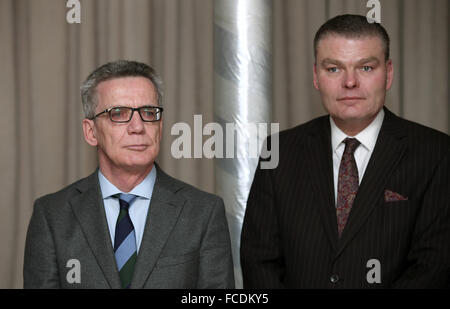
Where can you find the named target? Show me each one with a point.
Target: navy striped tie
(125, 241)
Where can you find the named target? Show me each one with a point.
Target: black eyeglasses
(123, 114)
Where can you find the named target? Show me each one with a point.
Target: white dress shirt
(367, 138)
(138, 209)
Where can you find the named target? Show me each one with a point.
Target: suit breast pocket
(398, 217)
(397, 204)
(398, 208)
(174, 260)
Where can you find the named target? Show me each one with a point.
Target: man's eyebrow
(331, 61)
(369, 59)
(328, 61)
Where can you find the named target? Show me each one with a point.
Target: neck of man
(353, 127)
(125, 179)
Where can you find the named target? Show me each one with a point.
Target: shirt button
(334, 278)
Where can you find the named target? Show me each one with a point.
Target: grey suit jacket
(186, 242)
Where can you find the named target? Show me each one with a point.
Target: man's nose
(350, 79)
(136, 124)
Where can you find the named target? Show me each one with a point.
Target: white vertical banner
(242, 102)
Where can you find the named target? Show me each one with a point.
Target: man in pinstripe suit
(375, 216)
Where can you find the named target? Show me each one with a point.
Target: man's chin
(352, 115)
(137, 166)
(347, 117)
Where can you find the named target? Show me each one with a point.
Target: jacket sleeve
(429, 256)
(40, 267)
(216, 262)
(261, 254)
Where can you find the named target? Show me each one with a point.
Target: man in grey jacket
(127, 225)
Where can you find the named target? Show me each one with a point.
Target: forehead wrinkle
(335, 45)
(118, 93)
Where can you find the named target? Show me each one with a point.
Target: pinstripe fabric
(289, 236)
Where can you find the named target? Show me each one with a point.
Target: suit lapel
(88, 209)
(388, 151)
(165, 208)
(321, 175)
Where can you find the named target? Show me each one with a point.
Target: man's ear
(89, 132)
(316, 82)
(389, 74)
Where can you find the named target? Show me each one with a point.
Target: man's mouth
(351, 98)
(350, 101)
(137, 147)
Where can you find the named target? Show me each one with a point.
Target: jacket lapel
(165, 208)
(89, 211)
(388, 151)
(321, 175)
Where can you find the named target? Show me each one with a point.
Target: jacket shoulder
(294, 137)
(189, 192)
(65, 194)
(426, 135)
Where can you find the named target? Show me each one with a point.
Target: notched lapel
(88, 209)
(165, 209)
(321, 175)
(389, 149)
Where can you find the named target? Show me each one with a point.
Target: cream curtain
(43, 59)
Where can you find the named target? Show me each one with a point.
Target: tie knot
(126, 200)
(351, 144)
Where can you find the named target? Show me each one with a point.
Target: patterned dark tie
(347, 183)
(125, 241)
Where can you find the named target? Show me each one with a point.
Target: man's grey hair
(116, 69)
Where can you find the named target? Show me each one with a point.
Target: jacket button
(334, 278)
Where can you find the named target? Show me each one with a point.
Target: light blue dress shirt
(138, 209)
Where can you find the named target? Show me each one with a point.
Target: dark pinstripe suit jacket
(289, 237)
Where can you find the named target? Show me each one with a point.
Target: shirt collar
(144, 189)
(367, 137)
